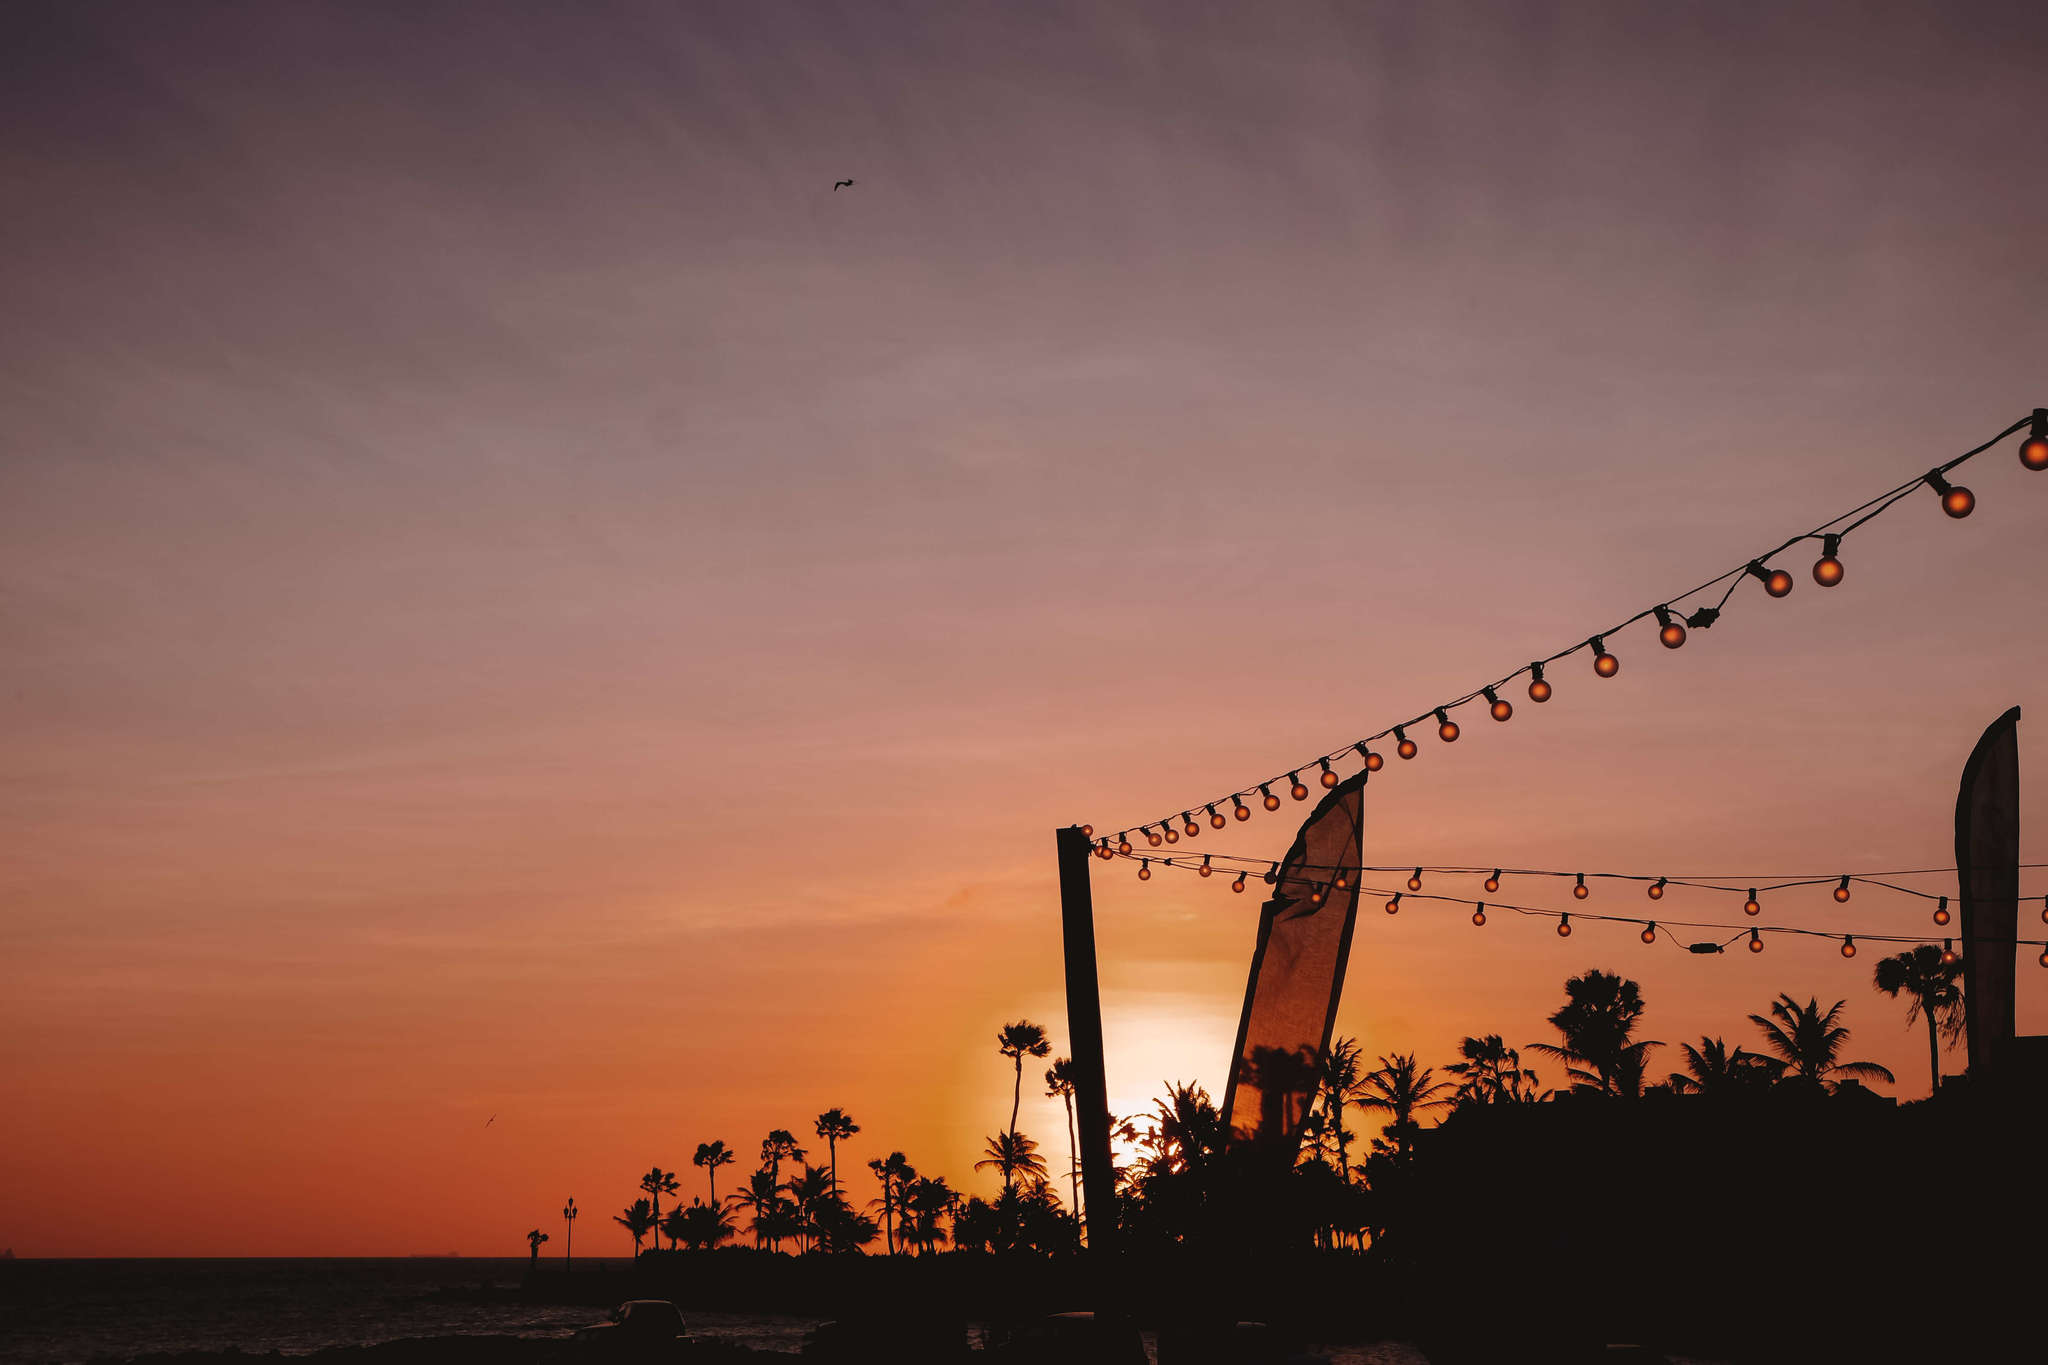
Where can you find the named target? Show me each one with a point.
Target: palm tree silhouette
(671, 1226)
(810, 1191)
(1401, 1090)
(1013, 1154)
(895, 1173)
(1934, 991)
(1808, 1041)
(1600, 1013)
(710, 1156)
(1339, 1074)
(763, 1198)
(1716, 1071)
(1059, 1085)
(533, 1240)
(779, 1146)
(638, 1220)
(1491, 1072)
(657, 1183)
(924, 1200)
(833, 1125)
(701, 1226)
(1017, 1041)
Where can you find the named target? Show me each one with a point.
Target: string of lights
(1751, 888)
(1672, 628)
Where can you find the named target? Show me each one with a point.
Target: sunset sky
(520, 600)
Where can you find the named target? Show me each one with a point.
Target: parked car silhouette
(637, 1329)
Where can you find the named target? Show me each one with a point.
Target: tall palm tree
(762, 1197)
(895, 1172)
(1059, 1085)
(1017, 1041)
(1809, 1041)
(1491, 1072)
(1716, 1071)
(700, 1227)
(1934, 991)
(810, 1191)
(710, 1156)
(1013, 1154)
(533, 1240)
(1339, 1074)
(657, 1183)
(638, 1220)
(924, 1200)
(672, 1225)
(779, 1146)
(1401, 1090)
(1599, 1016)
(833, 1125)
(1187, 1131)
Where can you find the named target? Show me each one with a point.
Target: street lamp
(569, 1236)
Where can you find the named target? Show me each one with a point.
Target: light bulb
(1329, 779)
(1650, 932)
(1493, 882)
(1446, 728)
(1123, 844)
(1315, 897)
(1215, 817)
(1204, 869)
(1342, 881)
(1956, 500)
(1239, 808)
(1406, 748)
(1172, 834)
(1669, 633)
(1848, 945)
(1238, 885)
(1579, 891)
(2044, 957)
(1657, 889)
(2034, 455)
(1373, 762)
(1776, 581)
(1415, 880)
(1152, 837)
(1188, 826)
(1102, 850)
(1842, 891)
(1479, 913)
(1087, 831)
(1297, 791)
(1564, 926)
(1539, 690)
(1272, 801)
(1941, 911)
(1394, 905)
(1502, 710)
(1827, 570)
(1750, 906)
(1605, 664)
(1144, 869)
(1273, 874)
(1948, 951)
(1756, 941)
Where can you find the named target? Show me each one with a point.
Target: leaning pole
(1084, 1029)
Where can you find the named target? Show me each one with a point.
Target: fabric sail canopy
(1988, 870)
(1297, 975)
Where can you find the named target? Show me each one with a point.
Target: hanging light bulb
(1669, 633)
(1087, 831)
(1373, 762)
(1842, 891)
(1329, 779)
(1493, 882)
(1605, 664)
(1342, 881)
(1750, 906)
(1204, 869)
(1827, 570)
(1657, 889)
(1239, 808)
(1123, 844)
(1297, 791)
(1948, 952)
(1406, 747)
(1564, 926)
(1188, 825)
(1848, 945)
(1315, 897)
(1956, 500)
(1941, 911)
(1579, 891)
(2044, 951)
(1539, 690)
(1238, 885)
(2034, 455)
(1394, 905)
(1152, 837)
(1273, 874)
(1776, 581)
(1102, 850)
(1272, 801)
(1215, 817)
(1144, 869)
(1756, 941)
(1446, 728)
(1502, 710)
(1172, 834)
(1479, 913)
(1650, 932)
(1415, 880)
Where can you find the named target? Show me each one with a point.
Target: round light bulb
(1493, 882)
(1342, 881)
(1447, 731)
(2034, 453)
(1204, 869)
(1948, 951)
(1503, 710)
(1479, 915)
(1374, 762)
(1238, 885)
(1579, 891)
(1941, 911)
(1239, 808)
(1564, 926)
(1415, 881)
(1827, 570)
(1088, 831)
(1657, 889)
(1215, 818)
(1315, 897)
(1145, 870)
(1650, 932)
(1172, 834)
(1297, 791)
(1123, 844)
(1842, 892)
(1329, 779)
(1670, 633)
(1756, 941)
(1750, 906)
(1605, 664)
(1394, 905)
(1779, 584)
(1272, 801)
(1152, 837)
(1959, 502)
(1539, 690)
(1406, 748)
(1849, 946)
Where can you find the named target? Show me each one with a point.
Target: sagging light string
(1751, 887)
(1828, 571)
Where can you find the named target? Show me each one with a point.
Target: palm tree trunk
(1933, 1052)
(832, 1155)
(1016, 1099)
(1073, 1166)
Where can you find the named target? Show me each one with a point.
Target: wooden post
(1084, 1028)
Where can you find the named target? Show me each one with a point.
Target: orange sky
(518, 600)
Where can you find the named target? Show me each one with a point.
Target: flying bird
(491, 1120)
(839, 185)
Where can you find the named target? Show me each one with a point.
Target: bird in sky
(491, 1120)
(839, 185)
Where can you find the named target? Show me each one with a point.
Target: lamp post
(569, 1235)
